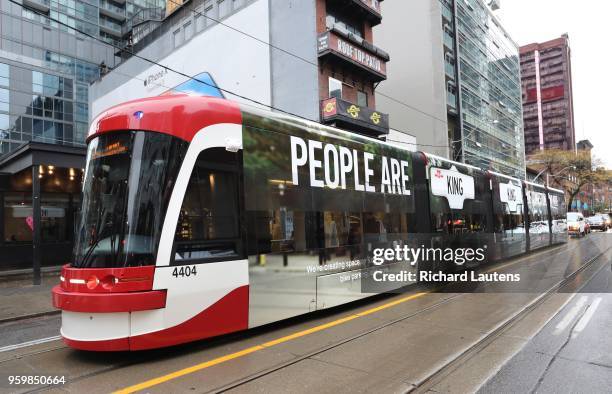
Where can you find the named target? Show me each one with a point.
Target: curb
(14, 275)
(31, 316)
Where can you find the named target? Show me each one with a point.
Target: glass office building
(489, 90)
(46, 67)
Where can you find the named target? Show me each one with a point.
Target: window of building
(4, 74)
(26, 128)
(82, 112)
(68, 112)
(335, 88)
(200, 21)
(37, 82)
(18, 222)
(50, 84)
(48, 131)
(55, 212)
(208, 224)
(178, 37)
(4, 126)
(188, 27)
(224, 7)
(209, 14)
(343, 24)
(81, 92)
(362, 99)
(4, 100)
(17, 210)
(48, 107)
(58, 109)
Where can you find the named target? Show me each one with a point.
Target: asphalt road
(573, 352)
(393, 343)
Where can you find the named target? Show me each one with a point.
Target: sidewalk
(20, 299)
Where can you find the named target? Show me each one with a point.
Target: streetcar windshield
(127, 185)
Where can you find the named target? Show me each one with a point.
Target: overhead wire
(227, 91)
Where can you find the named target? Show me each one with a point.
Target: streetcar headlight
(109, 281)
(92, 282)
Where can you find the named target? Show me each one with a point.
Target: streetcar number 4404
(186, 270)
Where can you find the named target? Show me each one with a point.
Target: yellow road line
(198, 367)
(299, 334)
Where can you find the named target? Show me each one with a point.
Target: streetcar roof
(159, 114)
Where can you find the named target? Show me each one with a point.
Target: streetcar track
(28, 343)
(452, 365)
(260, 374)
(255, 376)
(296, 360)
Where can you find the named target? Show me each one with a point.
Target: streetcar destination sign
(451, 184)
(339, 163)
(511, 195)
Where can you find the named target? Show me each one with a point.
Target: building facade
(313, 58)
(548, 108)
(489, 91)
(462, 69)
(46, 66)
(414, 94)
(350, 65)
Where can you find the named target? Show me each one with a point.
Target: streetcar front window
(127, 185)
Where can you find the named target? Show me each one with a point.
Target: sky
(588, 24)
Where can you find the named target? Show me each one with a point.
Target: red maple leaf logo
(438, 174)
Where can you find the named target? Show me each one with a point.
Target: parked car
(597, 222)
(576, 225)
(607, 219)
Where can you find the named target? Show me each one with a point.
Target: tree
(570, 171)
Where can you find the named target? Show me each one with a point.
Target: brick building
(350, 65)
(548, 109)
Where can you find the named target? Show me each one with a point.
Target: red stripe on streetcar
(229, 314)
(180, 115)
(108, 302)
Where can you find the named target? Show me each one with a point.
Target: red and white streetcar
(202, 217)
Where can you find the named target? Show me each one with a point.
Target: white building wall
(411, 32)
(236, 62)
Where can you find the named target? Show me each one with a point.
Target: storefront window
(54, 214)
(18, 220)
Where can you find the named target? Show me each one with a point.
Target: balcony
(449, 69)
(348, 116)
(451, 102)
(112, 10)
(349, 49)
(143, 15)
(110, 27)
(446, 13)
(449, 41)
(40, 5)
(368, 9)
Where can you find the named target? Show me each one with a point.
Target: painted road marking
(198, 367)
(222, 359)
(586, 318)
(570, 316)
(29, 343)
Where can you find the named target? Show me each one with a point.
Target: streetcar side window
(208, 225)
